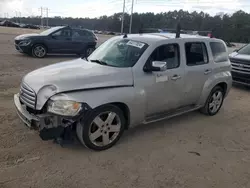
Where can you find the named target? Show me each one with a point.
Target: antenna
(178, 30)
(141, 29)
(123, 12)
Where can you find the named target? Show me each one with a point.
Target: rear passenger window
(219, 52)
(84, 33)
(196, 53)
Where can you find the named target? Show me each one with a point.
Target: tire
(39, 51)
(89, 51)
(97, 131)
(212, 109)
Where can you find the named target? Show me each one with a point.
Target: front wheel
(39, 51)
(214, 101)
(102, 128)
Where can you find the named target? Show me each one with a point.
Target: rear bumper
(241, 77)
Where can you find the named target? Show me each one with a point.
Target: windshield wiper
(99, 62)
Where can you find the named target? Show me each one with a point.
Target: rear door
(81, 39)
(197, 70)
(61, 41)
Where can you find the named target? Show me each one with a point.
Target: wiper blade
(99, 62)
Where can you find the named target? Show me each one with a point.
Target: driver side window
(168, 53)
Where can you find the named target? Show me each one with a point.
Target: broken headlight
(64, 107)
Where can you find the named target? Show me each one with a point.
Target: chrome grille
(27, 96)
(240, 65)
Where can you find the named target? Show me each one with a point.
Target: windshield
(119, 52)
(49, 31)
(245, 50)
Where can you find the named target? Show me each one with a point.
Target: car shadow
(241, 87)
(137, 131)
(167, 123)
(49, 56)
(62, 56)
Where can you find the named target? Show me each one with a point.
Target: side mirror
(159, 66)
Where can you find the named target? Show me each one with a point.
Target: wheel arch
(221, 80)
(125, 109)
(223, 85)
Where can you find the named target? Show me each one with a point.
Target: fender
(133, 98)
(222, 77)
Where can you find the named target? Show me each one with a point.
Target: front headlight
(64, 108)
(24, 43)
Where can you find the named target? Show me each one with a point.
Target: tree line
(233, 28)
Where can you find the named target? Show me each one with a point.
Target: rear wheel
(39, 51)
(102, 128)
(89, 51)
(214, 101)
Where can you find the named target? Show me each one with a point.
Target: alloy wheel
(215, 101)
(39, 51)
(105, 128)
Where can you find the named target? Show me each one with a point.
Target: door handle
(176, 77)
(208, 71)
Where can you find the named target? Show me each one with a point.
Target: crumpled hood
(78, 74)
(20, 37)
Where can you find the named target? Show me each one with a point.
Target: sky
(96, 8)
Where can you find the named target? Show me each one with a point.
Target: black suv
(240, 60)
(61, 39)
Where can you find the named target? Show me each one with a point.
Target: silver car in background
(127, 81)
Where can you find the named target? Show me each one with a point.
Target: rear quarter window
(219, 52)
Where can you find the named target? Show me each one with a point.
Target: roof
(151, 38)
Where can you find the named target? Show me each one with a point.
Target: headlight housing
(25, 43)
(64, 107)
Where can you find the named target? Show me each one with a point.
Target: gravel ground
(189, 151)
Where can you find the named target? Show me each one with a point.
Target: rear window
(82, 33)
(219, 52)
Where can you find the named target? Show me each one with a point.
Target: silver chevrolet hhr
(128, 80)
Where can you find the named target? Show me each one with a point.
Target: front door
(164, 90)
(197, 71)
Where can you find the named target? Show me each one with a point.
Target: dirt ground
(190, 151)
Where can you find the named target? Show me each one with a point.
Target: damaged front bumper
(50, 126)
